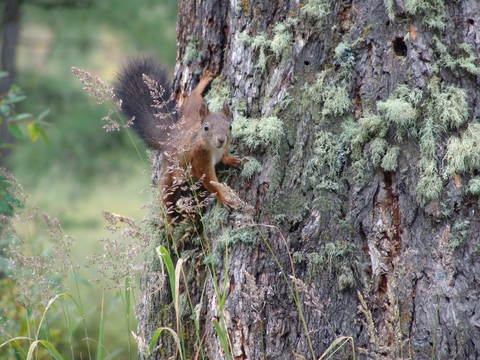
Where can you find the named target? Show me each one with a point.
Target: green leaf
(3, 74)
(5, 109)
(14, 98)
(15, 131)
(43, 114)
(20, 117)
(33, 131)
(44, 135)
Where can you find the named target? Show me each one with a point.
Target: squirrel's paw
(227, 196)
(232, 160)
(207, 74)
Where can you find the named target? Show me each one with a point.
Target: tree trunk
(358, 124)
(10, 24)
(9, 30)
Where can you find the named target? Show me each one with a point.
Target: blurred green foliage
(97, 37)
(82, 167)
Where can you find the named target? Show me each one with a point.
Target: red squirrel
(201, 140)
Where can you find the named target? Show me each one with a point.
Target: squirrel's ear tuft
(203, 111)
(226, 109)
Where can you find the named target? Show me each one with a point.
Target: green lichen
(216, 218)
(358, 134)
(432, 12)
(459, 233)
(260, 43)
(331, 89)
(344, 57)
(240, 106)
(428, 138)
(336, 101)
(281, 43)
(323, 169)
(465, 60)
(297, 257)
(244, 38)
(430, 184)
(279, 218)
(390, 9)
(359, 170)
(336, 251)
(251, 167)
(390, 160)
(474, 186)
(192, 51)
(424, 117)
(214, 259)
(315, 90)
(401, 109)
(447, 107)
(346, 279)
(463, 153)
(265, 131)
(184, 306)
(378, 148)
(334, 257)
(315, 13)
(233, 237)
(218, 94)
(315, 264)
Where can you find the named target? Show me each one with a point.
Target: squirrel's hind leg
(205, 80)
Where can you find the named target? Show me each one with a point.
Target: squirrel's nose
(221, 139)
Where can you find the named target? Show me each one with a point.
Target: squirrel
(194, 137)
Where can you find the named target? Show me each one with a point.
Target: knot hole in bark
(399, 46)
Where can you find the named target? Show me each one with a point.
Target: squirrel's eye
(230, 127)
(206, 127)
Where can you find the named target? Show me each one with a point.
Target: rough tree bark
(363, 117)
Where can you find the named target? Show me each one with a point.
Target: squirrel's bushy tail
(137, 100)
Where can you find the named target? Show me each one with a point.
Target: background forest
(83, 170)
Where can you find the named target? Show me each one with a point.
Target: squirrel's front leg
(231, 160)
(207, 183)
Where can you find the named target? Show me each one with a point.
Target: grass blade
(156, 335)
(336, 345)
(47, 345)
(100, 331)
(222, 335)
(127, 296)
(165, 256)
